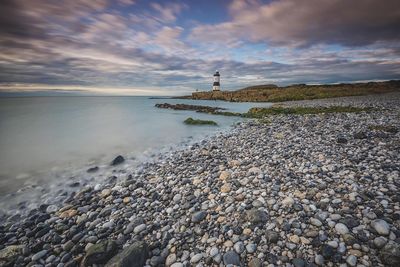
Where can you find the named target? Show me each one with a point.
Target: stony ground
(307, 190)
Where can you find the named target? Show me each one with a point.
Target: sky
(146, 47)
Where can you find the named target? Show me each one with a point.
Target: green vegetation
(262, 112)
(191, 121)
(384, 128)
(273, 93)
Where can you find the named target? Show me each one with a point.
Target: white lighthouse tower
(216, 85)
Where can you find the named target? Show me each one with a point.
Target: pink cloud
(307, 22)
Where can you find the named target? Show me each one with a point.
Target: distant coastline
(274, 93)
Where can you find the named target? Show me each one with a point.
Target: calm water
(44, 135)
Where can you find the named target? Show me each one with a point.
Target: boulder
(118, 160)
(9, 254)
(92, 169)
(133, 256)
(390, 254)
(99, 253)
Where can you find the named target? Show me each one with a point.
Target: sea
(47, 142)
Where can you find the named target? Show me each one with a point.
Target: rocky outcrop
(198, 108)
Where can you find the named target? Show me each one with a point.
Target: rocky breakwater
(198, 108)
(300, 190)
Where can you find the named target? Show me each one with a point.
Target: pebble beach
(287, 190)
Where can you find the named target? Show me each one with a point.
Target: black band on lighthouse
(216, 84)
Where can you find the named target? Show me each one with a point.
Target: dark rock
(118, 160)
(350, 222)
(99, 253)
(42, 218)
(199, 216)
(341, 140)
(198, 108)
(66, 257)
(42, 232)
(349, 239)
(231, 257)
(272, 258)
(71, 263)
(298, 262)
(133, 256)
(255, 216)
(272, 236)
(360, 135)
(327, 251)
(74, 184)
(297, 207)
(92, 169)
(362, 236)
(155, 261)
(390, 254)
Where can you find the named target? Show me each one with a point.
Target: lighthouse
(216, 85)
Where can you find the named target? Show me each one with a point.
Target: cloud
(126, 2)
(106, 44)
(168, 13)
(307, 22)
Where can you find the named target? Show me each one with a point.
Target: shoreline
(300, 189)
(72, 180)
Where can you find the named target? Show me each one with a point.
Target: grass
(262, 112)
(271, 93)
(191, 121)
(384, 128)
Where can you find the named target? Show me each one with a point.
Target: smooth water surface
(39, 135)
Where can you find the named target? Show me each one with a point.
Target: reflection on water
(41, 134)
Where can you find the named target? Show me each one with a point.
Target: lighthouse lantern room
(216, 86)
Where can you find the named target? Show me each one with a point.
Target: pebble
(380, 241)
(39, 255)
(239, 198)
(341, 229)
(224, 175)
(196, 258)
(239, 247)
(225, 188)
(316, 222)
(381, 227)
(170, 259)
(319, 260)
(177, 198)
(139, 228)
(199, 216)
(288, 202)
(213, 252)
(251, 248)
(351, 260)
(231, 257)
